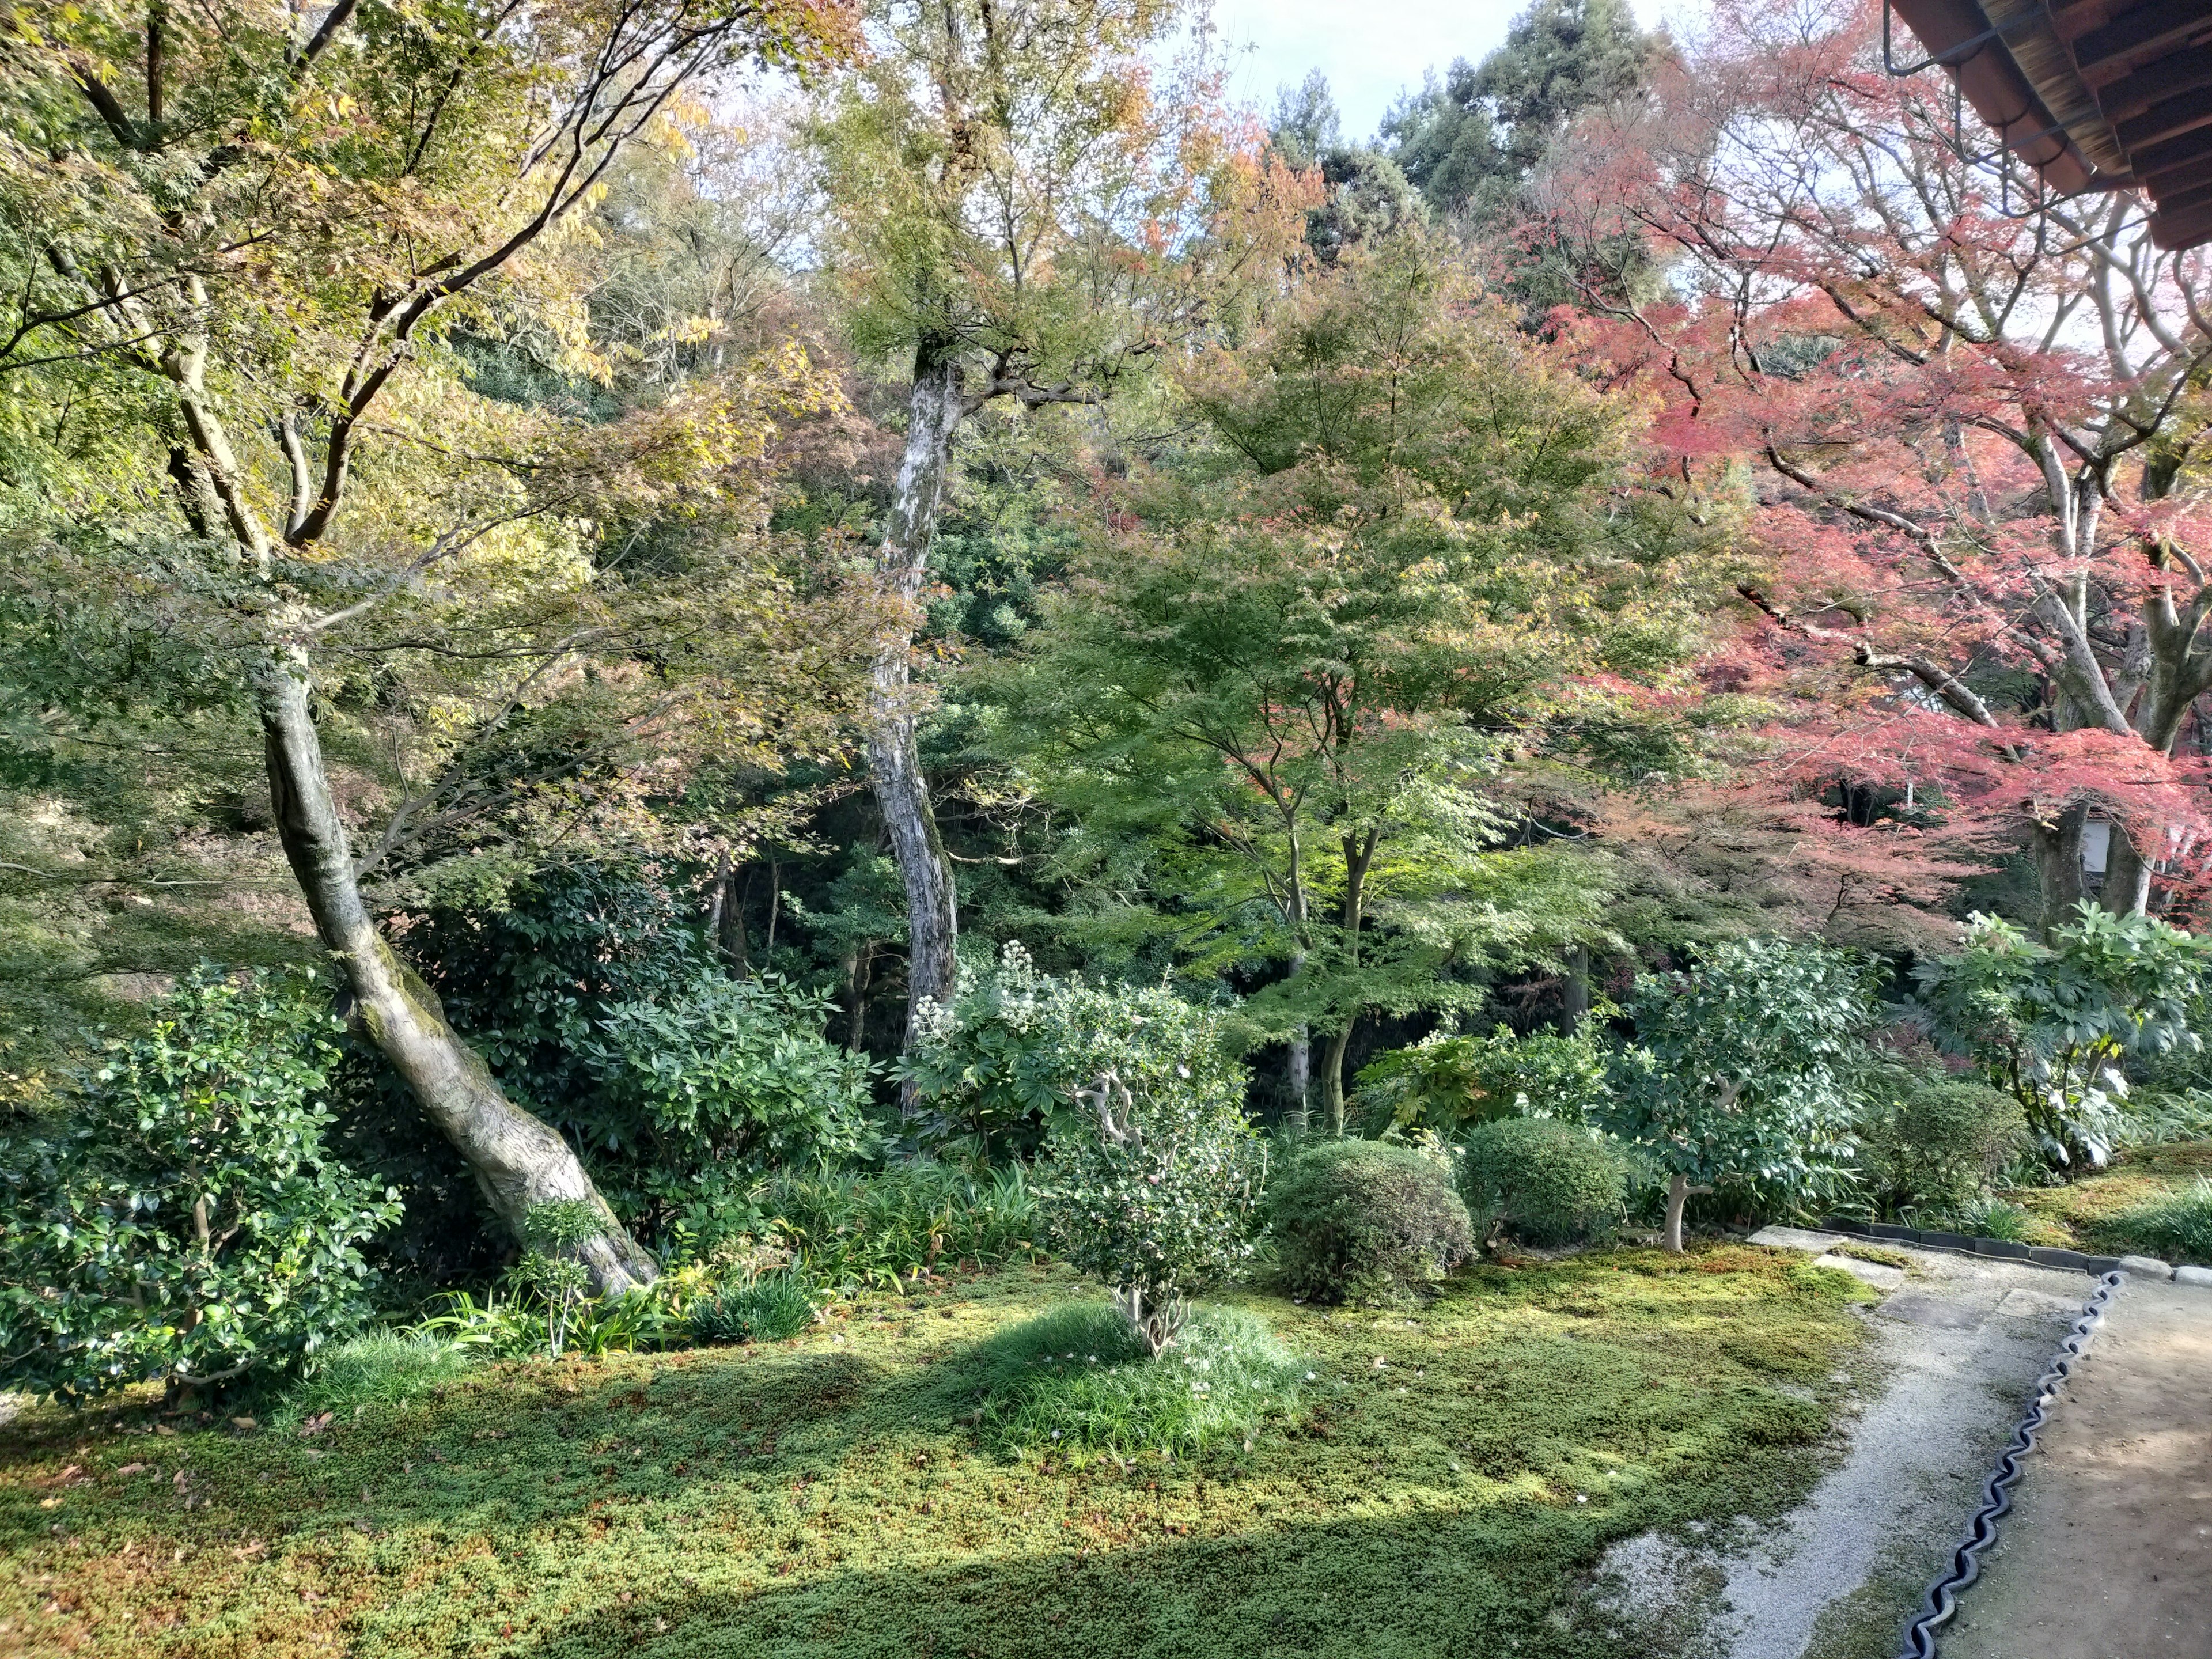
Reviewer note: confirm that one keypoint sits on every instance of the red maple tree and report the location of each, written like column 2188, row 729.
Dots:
column 1965, row 422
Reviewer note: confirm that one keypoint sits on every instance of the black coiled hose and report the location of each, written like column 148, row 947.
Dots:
column 1965, row 1566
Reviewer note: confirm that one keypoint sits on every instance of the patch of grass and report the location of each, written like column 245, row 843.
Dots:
column 819, row 1498
column 2105, row 1212
column 1999, row 1218
column 1079, row 1378
column 769, row 1309
column 2176, row 1227
column 377, row 1367
column 1879, row 1254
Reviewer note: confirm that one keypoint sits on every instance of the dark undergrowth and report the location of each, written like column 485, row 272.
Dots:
column 1444, row 1488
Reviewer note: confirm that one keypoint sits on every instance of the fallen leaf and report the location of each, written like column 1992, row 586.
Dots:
column 314, row 1426
column 245, row 1423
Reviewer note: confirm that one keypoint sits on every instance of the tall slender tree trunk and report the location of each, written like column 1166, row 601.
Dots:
column 518, row 1160
column 1574, row 990
column 934, row 409
column 1358, row 856
column 1332, row 1078
column 1301, row 1079
column 2057, row 846
column 1678, row 1194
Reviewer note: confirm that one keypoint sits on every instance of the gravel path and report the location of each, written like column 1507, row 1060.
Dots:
column 1958, row 1344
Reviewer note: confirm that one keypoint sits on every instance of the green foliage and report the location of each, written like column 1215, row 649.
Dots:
column 2053, row 1025
column 1079, row 1379
column 1006, row 1058
column 1543, row 1181
column 875, row 1231
column 1928, row 1139
column 1994, row 1218
column 1366, row 1221
column 380, row 1367
column 722, row 1078
column 2176, row 1228
column 1445, row 1082
column 1742, row 1076
column 1153, row 1194
column 181, row 1219
column 768, row 1310
column 551, row 1232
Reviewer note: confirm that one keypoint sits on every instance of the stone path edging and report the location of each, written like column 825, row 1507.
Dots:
column 2041, row 1255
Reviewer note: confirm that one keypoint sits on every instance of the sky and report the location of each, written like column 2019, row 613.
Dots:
column 1371, row 49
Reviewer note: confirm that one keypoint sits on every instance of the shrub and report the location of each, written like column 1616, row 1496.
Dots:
column 2177, row 1227
column 1445, row 1082
column 1010, row 1052
column 2053, row 1024
column 1081, row 1379
column 715, row 1082
column 1933, row 1142
column 184, row 1223
column 551, row 1233
column 1739, row 1081
column 1542, row 1181
column 767, row 1310
column 1366, row 1221
column 1153, row 1194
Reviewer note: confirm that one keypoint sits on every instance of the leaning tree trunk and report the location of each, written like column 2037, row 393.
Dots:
column 934, row 409
column 1332, row 1078
column 518, row 1160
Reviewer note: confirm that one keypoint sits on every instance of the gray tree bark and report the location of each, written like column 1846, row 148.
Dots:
column 935, row 408
column 518, row 1160
column 2057, row 847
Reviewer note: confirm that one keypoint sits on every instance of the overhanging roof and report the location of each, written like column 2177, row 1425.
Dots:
column 2093, row 94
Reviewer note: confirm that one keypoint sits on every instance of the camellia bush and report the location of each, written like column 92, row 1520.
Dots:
column 994, row 1067
column 1742, row 1075
column 1153, row 1191
column 718, row 1082
column 182, row 1221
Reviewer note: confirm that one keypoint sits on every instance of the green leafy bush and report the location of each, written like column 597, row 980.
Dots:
column 1366, row 1221
column 1542, row 1181
column 1153, row 1194
column 527, row 966
column 1928, row 1141
column 767, row 1310
column 717, row 1080
column 1008, row 1054
column 1740, row 1078
column 1081, row 1379
column 1445, row 1082
column 183, row 1222
column 2177, row 1228
column 2053, row 1024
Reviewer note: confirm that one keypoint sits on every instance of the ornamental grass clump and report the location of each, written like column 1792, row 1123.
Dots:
column 1367, row 1221
column 1154, row 1192
column 768, row 1310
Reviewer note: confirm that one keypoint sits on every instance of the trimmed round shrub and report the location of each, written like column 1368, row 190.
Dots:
column 1367, row 1221
column 1935, row 1141
column 1543, row 1181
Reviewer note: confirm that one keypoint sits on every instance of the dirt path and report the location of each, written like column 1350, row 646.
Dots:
column 1958, row 1343
column 2107, row 1554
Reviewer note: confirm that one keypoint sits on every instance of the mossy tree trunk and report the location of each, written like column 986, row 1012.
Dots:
column 518, row 1158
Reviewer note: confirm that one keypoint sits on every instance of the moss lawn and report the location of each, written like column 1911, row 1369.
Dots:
column 2093, row 1213
column 1444, row 1486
